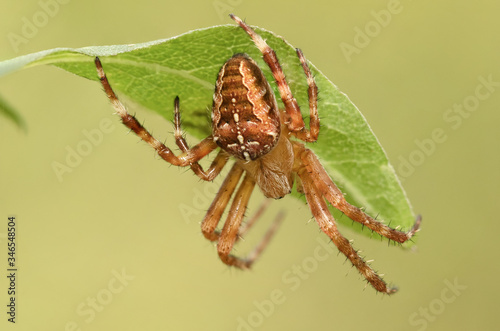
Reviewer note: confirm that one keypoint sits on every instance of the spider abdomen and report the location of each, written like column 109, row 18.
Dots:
column 245, row 115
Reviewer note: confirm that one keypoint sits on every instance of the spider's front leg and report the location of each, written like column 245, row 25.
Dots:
column 233, row 229
column 217, row 164
column 295, row 122
column 214, row 213
column 189, row 157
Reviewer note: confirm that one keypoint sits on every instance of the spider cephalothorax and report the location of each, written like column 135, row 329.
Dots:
column 247, row 125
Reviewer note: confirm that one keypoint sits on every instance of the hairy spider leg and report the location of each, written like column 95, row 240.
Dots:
column 232, row 225
column 331, row 192
column 217, row 164
column 296, row 123
column 255, row 217
column 326, row 222
column 246, row 226
column 312, row 92
column 187, row 158
column 221, row 200
column 233, row 229
column 230, row 231
column 255, row 253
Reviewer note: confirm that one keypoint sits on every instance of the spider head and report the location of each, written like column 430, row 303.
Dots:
column 245, row 115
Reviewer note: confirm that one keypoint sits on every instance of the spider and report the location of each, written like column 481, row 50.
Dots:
column 267, row 144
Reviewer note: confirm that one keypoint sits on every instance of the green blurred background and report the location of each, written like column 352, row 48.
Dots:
column 116, row 244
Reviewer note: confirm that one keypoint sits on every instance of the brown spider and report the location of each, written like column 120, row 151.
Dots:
column 248, row 125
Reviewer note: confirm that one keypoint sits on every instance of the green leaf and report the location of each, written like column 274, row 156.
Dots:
column 153, row 73
column 12, row 114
